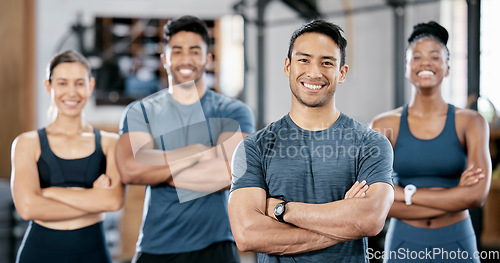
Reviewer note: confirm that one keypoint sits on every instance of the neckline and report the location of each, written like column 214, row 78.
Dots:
column 195, row 104
column 334, row 125
column 73, row 159
column 448, row 115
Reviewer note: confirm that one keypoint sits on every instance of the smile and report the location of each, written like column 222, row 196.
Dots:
column 312, row 86
column 425, row 73
column 71, row 103
column 185, row 71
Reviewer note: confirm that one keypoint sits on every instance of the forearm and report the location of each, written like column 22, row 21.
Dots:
column 340, row 222
column 266, row 235
column 450, row 200
column 347, row 219
column 158, row 170
column 411, row 212
column 38, row 207
column 208, row 176
column 146, row 166
column 253, row 230
column 93, row 200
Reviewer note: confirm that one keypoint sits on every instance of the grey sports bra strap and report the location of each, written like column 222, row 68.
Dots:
column 56, row 175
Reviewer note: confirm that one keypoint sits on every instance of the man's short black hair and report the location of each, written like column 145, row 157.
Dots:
column 189, row 24
column 322, row 27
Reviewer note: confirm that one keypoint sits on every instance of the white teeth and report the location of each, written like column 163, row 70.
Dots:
column 425, row 73
column 310, row 86
column 70, row 103
column 185, row 71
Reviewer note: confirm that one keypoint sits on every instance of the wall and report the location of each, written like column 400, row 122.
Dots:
column 55, row 17
column 16, row 75
column 367, row 91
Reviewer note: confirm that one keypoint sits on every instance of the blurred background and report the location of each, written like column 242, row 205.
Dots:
column 123, row 41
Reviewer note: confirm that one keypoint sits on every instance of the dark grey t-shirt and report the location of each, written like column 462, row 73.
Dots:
column 313, row 167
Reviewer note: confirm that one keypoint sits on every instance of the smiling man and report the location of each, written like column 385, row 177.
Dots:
column 313, row 185
column 179, row 143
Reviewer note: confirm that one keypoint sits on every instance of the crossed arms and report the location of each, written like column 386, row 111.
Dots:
column 474, row 184
column 311, row 226
column 59, row 203
column 196, row 167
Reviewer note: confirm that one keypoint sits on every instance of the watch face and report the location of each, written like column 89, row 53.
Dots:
column 278, row 210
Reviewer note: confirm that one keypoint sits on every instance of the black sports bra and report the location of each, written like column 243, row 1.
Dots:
column 81, row 172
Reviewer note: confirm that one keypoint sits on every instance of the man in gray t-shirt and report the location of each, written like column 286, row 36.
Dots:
column 179, row 143
column 313, row 185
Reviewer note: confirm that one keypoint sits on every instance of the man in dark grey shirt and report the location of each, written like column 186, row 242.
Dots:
column 313, row 185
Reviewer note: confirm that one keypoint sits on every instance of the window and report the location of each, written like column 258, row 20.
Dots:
column 490, row 54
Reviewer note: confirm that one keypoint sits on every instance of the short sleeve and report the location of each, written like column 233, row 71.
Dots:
column 242, row 114
column 134, row 119
column 375, row 159
column 246, row 166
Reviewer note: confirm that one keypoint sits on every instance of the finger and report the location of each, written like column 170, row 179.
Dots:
column 99, row 184
column 355, row 188
column 358, row 186
column 349, row 194
column 473, row 171
column 103, row 181
column 472, row 180
column 474, row 174
column 362, row 191
column 98, row 180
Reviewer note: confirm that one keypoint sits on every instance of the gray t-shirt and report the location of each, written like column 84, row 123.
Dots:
column 178, row 220
column 313, row 167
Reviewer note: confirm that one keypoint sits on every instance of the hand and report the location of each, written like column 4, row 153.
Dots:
column 357, row 190
column 104, row 182
column 270, row 204
column 399, row 193
column 471, row 176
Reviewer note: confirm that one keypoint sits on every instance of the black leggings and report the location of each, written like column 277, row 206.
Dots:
column 83, row 245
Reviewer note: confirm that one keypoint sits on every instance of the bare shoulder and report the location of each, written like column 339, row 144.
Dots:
column 467, row 118
column 28, row 138
column 109, row 140
column 26, row 143
column 388, row 119
column 105, row 135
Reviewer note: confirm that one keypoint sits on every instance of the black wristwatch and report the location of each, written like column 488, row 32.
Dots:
column 279, row 211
